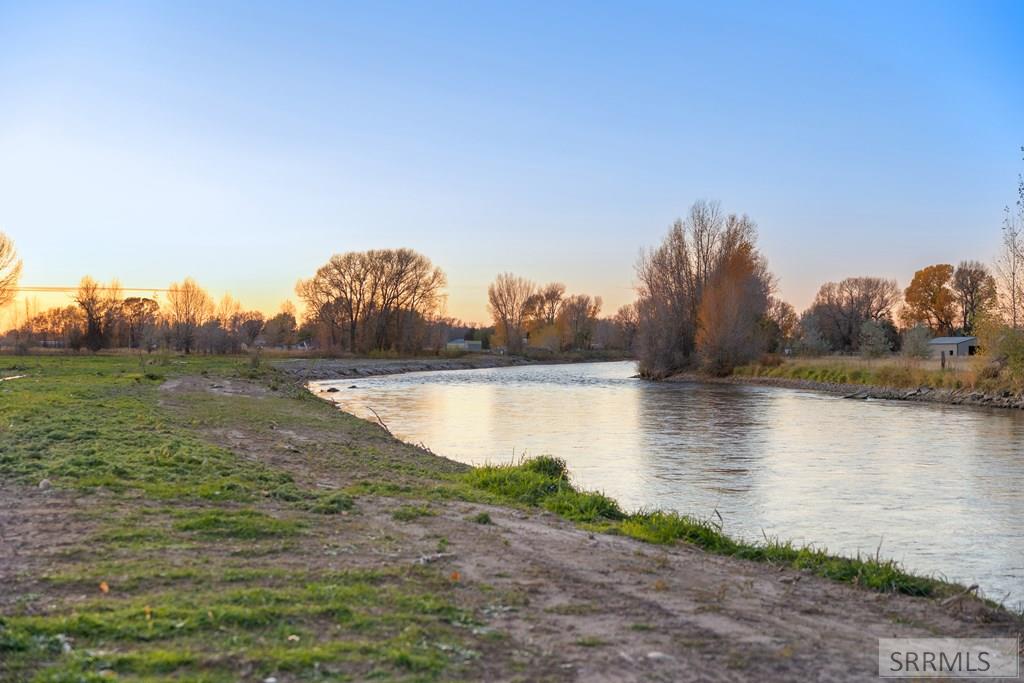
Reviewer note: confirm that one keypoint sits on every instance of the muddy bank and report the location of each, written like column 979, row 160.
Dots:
column 313, row 369
column 969, row 397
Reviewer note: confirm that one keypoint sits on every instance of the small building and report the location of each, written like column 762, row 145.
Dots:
column 464, row 345
column 953, row 346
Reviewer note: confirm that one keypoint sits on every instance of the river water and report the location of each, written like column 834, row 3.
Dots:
column 939, row 488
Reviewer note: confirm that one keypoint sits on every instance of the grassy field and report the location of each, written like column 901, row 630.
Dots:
column 203, row 519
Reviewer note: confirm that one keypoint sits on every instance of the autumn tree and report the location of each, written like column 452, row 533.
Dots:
column 732, row 309
column 188, row 308
column 672, row 279
column 974, row 291
column 546, row 302
column 10, row 270
column 930, row 300
column 781, row 324
column 840, row 309
column 578, row 314
column 509, row 299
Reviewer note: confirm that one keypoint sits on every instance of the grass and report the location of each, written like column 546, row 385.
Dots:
column 895, row 372
column 216, row 562
column 193, row 543
column 544, row 482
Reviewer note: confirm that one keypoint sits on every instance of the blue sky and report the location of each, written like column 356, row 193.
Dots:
column 243, row 143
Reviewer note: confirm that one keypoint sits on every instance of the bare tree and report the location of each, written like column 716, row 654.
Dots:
column 579, row 313
column 377, row 299
column 101, row 305
column 10, row 270
column 188, row 308
column 841, row 309
column 509, row 298
column 139, row 314
column 672, row 279
column 1009, row 265
column 626, row 321
column 974, row 290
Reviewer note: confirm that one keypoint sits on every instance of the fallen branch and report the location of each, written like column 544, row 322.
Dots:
column 379, row 421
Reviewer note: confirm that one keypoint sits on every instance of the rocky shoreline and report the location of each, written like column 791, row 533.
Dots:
column 968, row 397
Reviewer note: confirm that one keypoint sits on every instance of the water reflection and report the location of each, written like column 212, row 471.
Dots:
column 937, row 487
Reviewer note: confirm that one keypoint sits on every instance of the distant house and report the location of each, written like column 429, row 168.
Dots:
column 464, row 345
column 953, row 346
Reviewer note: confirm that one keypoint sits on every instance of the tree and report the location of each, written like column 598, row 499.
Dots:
column 929, row 299
column 781, row 325
column 101, row 307
column 139, row 314
column 281, row 329
column 10, row 270
column 509, row 299
column 915, row 342
column 377, row 299
column 672, row 279
column 189, row 307
column 545, row 304
column 974, row 290
column 1010, row 261
column 874, row 341
column 732, row 311
column 578, row 314
column 626, row 321
column 840, row 309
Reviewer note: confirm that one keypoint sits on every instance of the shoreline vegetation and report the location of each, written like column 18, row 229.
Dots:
column 209, row 518
column 897, row 379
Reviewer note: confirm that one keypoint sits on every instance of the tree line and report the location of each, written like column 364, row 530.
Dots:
column 706, row 300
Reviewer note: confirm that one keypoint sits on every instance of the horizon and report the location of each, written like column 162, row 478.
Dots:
column 244, row 148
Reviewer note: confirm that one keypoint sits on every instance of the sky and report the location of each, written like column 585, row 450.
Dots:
column 244, row 143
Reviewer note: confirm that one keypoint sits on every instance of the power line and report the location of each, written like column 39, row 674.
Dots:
column 102, row 289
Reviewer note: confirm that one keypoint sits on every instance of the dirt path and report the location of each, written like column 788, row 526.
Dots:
column 608, row 608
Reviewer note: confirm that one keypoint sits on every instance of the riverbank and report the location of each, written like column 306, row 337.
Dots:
column 316, row 369
column 894, row 380
column 197, row 517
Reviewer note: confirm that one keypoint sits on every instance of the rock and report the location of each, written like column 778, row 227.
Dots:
column 331, row 390
column 45, row 484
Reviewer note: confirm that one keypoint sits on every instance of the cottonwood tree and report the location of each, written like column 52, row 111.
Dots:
column 930, row 300
column 139, row 314
column 974, row 290
column 10, row 270
column 509, row 299
column 840, row 309
column 577, row 314
column 101, row 306
column 377, row 299
column 672, row 279
column 626, row 322
column 732, row 310
column 189, row 307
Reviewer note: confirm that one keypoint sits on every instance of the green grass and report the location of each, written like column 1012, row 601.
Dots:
column 544, row 482
column 196, row 542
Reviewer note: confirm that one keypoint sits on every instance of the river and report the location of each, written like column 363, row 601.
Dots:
column 938, row 488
